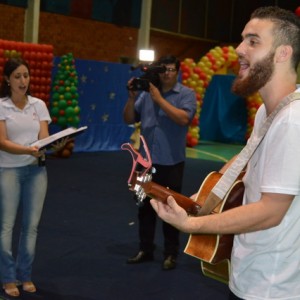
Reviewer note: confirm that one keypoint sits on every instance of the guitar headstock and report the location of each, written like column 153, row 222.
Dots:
column 137, row 185
column 142, row 170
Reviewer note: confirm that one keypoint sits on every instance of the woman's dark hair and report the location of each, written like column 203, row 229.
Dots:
column 169, row 59
column 10, row 66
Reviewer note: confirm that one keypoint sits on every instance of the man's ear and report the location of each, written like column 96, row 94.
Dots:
column 283, row 53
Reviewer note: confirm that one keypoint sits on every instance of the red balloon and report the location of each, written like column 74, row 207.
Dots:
column 225, row 49
column 195, row 121
column 297, row 11
column 202, row 76
column 185, row 75
column 214, row 68
column 194, row 141
column 197, row 70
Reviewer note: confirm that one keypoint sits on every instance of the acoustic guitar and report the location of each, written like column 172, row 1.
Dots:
column 214, row 251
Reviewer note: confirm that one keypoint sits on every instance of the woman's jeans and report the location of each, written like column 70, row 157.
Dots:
column 25, row 187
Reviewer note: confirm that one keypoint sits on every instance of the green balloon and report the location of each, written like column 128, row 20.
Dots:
column 61, row 89
column 74, row 102
column 76, row 121
column 55, row 96
column 55, row 111
column 62, row 104
column 62, row 121
column 69, row 111
column 61, row 76
column 73, row 89
column 68, row 96
column 67, row 82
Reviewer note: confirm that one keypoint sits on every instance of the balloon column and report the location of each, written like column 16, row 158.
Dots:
column 253, row 103
column 40, row 60
column 197, row 76
column 64, row 106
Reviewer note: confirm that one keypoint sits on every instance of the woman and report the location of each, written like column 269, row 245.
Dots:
column 23, row 182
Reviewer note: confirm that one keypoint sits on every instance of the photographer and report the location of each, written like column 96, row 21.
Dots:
column 165, row 111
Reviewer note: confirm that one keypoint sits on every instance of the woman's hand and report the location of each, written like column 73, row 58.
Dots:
column 34, row 151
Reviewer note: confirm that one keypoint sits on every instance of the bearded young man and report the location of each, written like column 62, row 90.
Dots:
column 265, row 260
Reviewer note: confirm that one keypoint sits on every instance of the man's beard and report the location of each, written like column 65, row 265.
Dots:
column 258, row 76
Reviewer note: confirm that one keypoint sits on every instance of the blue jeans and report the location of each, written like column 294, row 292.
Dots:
column 25, row 187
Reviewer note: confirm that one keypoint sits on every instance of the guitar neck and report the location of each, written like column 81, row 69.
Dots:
column 160, row 193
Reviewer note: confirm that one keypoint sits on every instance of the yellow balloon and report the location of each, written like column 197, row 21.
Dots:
column 195, row 76
column 193, row 83
column 222, row 60
column 200, row 82
column 232, row 56
column 204, row 59
column 231, row 49
column 219, row 49
column 188, row 61
column 206, row 70
column 217, row 55
column 218, row 63
column 189, row 80
column 199, row 89
column 208, row 64
column 201, row 64
column 210, row 72
column 213, row 51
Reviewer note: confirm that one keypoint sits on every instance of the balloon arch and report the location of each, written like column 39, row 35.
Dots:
column 219, row 60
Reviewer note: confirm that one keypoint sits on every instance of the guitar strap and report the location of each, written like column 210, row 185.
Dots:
column 218, row 193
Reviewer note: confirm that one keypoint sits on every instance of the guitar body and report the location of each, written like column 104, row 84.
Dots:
column 214, row 251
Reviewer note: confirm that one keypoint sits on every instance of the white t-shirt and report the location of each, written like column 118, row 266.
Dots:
column 266, row 263
column 22, row 127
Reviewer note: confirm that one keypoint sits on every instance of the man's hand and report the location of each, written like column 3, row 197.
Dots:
column 171, row 213
column 132, row 94
column 155, row 93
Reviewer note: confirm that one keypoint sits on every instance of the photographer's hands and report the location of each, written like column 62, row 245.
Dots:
column 155, row 93
column 131, row 93
column 128, row 112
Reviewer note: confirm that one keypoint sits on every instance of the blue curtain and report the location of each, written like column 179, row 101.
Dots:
column 224, row 115
column 102, row 96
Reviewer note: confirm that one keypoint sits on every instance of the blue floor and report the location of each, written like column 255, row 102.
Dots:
column 89, row 229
